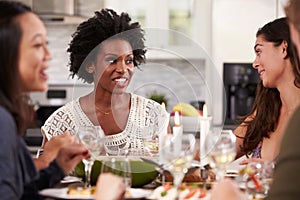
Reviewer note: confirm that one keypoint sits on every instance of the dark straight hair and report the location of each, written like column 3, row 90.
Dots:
column 11, row 97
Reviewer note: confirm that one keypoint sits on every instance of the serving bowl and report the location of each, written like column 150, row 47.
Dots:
column 142, row 173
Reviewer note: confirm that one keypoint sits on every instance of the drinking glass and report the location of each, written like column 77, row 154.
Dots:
column 177, row 154
column 221, row 150
column 259, row 179
column 93, row 139
column 150, row 142
column 119, row 166
column 268, row 169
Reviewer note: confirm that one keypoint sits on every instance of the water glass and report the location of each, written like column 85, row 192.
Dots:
column 119, row 166
column 260, row 177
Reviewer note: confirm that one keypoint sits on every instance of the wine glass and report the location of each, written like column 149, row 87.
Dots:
column 119, row 166
column 93, row 139
column 177, row 154
column 151, row 144
column 221, row 150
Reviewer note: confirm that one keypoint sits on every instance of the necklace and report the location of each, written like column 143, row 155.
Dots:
column 105, row 113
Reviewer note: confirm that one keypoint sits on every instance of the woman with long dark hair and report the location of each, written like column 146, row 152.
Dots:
column 24, row 59
column 278, row 93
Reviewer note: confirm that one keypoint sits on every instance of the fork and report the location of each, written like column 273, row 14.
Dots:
column 204, row 176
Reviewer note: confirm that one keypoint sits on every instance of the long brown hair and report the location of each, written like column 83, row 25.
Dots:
column 267, row 103
column 11, row 97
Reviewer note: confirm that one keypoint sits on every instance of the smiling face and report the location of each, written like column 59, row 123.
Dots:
column 269, row 61
column 34, row 53
column 113, row 68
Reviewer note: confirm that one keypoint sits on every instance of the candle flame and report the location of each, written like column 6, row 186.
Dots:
column 163, row 105
column 176, row 119
column 205, row 111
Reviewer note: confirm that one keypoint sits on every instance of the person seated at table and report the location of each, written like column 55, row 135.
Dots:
column 105, row 50
column 286, row 180
column 277, row 96
column 24, row 58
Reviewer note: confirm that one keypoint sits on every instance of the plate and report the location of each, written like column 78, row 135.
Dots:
column 137, row 193
column 61, row 193
column 70, row 179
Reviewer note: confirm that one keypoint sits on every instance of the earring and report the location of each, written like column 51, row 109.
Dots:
column 90, row 68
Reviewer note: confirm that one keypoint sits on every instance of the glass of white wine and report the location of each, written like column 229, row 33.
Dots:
column 221, row 150
column 93, row 139
column 151, row 143
column 177, row 154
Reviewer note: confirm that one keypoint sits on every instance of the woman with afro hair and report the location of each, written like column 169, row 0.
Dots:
column 105, row 50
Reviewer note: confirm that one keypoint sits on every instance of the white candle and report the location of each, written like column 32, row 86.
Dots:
column 205, row 122
column 163, row 133
column 177, row 131
column 163, row 105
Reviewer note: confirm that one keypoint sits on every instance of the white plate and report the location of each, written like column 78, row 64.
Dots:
column 70, row 179
column 134, row 193
column 61, row 193
column 137, row 193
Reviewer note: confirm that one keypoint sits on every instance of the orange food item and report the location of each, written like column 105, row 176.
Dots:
column 191, row 193
column 256, row 182
column 202, row 194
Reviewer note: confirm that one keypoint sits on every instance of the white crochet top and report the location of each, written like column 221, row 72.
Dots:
column 145, row 116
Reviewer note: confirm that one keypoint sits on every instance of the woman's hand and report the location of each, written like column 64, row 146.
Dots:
column 110, row 187
column 227, row 189
column 69, row 156
column 249, row 160
column 51, row 149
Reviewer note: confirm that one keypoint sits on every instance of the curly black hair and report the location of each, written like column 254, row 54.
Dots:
column 106, row 24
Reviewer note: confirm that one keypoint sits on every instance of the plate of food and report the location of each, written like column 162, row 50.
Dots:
column 69, row 193
column 87, row 194
column 186, row 191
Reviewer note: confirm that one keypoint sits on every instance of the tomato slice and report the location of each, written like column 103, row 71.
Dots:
column 202, row 194
column 190, row 194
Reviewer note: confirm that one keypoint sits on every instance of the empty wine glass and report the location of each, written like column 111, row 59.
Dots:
column 177, row 154
column 221, row 150
column 93, row 139
column 119, row 166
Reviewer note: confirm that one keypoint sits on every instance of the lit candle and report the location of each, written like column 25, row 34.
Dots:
column 177, row 131
column 205, row 121
column 163, row 105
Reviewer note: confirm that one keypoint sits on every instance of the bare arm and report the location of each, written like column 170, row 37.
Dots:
column 240, row 132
